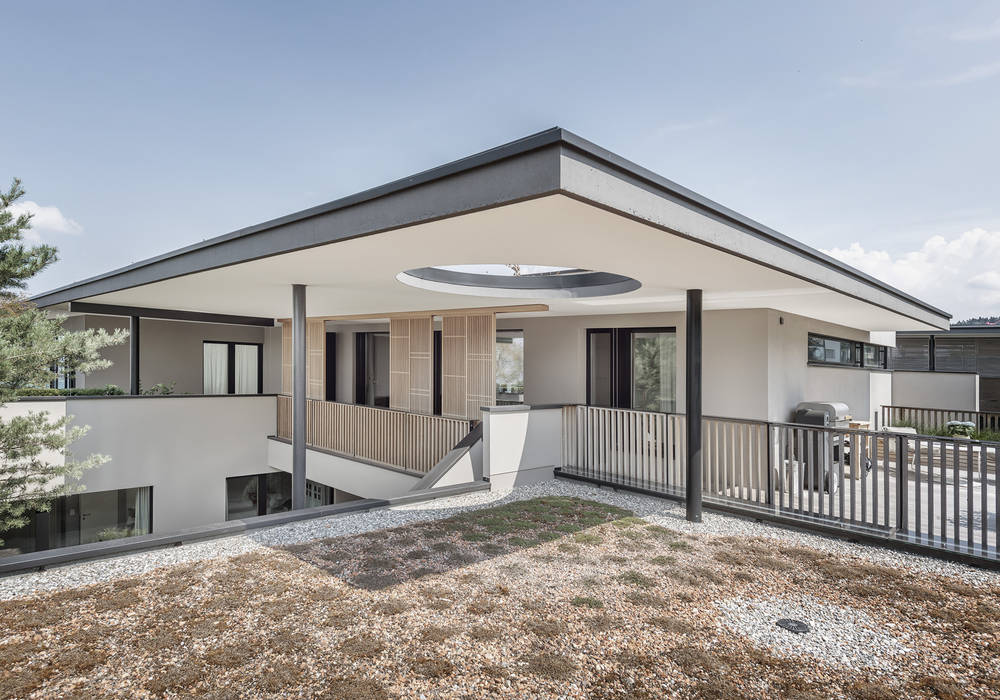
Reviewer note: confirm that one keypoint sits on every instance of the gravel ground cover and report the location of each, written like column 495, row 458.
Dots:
column 552, row 591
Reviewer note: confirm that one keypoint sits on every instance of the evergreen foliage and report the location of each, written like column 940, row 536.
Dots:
column 35, row 462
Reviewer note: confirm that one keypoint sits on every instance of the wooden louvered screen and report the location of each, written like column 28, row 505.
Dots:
column 315, row 358
column 453, row 367
column 399, row 364
column 911, row 354
column 286, row 357
column 468, row 371
column 411, row 364
column 988, row 359
column 955, row 354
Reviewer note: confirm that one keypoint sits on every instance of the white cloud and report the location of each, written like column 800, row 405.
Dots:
column 981, row 33
column 956, row 274
column 876, row 79
column 45, row 220
column 969, row 75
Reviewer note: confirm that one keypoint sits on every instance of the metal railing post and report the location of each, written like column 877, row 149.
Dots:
column 902, row 487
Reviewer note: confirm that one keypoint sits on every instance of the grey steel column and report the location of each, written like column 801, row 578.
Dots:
column 133, row 355
column 692, row 364
column 298, row 396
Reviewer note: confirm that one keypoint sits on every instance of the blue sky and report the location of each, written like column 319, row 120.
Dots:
column 869, row 129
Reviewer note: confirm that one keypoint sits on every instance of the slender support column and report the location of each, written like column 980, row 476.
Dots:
column 133, row 355
column 693, row 401
column 298, row 396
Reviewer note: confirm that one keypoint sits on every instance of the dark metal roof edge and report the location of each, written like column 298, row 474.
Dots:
column 86, row 307
column 623, row 164
column 984, row 331
column 548, row 137
column 520, row 146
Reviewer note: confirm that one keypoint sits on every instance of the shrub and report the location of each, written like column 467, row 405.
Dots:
column 108, row 390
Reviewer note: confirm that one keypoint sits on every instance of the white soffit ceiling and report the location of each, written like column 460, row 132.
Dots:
column 358, row 276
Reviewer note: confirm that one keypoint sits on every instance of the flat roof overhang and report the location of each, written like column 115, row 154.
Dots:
column 549, row 199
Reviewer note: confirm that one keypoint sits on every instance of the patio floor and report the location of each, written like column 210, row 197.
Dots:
column 560, row 595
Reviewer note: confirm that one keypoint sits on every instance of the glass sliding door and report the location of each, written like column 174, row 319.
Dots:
column 600, row 367
column 233, row 368
column 653, row 357
column 216, row 368
column 632, row 368
column 246, row 369
column 83, row 518
column 510, row 367
column 371, row 369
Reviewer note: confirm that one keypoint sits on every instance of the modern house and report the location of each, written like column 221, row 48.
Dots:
column 965, row 361
column 436, row 329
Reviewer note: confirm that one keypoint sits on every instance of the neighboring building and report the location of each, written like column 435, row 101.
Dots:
column 973, row 351
column 401, row 308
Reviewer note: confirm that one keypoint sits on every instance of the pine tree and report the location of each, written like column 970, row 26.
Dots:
column 31, row 343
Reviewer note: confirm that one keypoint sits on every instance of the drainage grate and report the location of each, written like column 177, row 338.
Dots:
column 796, row 626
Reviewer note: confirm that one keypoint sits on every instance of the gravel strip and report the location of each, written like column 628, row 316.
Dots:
column 660, row 511
column 837, row 634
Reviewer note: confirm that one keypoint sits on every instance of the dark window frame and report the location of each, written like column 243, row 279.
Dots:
column 857, row 353
column 263, row 492
column 231, row 364
column 621, row 369
column 361, row 340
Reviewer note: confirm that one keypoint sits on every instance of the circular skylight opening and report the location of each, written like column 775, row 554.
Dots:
column 518, row 281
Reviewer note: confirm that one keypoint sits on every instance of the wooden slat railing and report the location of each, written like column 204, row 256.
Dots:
column 410, row 441
column 938, row 418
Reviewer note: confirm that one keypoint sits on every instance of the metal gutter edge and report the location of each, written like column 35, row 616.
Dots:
column 98, row 550
column 520, row 146
column 617, row 162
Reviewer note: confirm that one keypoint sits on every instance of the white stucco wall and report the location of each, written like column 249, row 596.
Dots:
column 955, row 390
column 54, row 410
column 183, row 447
column 359, row 478
column 521, row 445
column 791, row 379
column 754, row 361
column 881, row 393
column 734, row 355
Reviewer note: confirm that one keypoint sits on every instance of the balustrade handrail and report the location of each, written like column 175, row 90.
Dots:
column 411, row 441
column 937, row 418
column 931, row 491
column 789, row 424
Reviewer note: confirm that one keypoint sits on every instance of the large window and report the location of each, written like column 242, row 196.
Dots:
column 63, row 378
column 825, row 350
column 632, row 368
column 233, row 368
column 510, row 367
column 261, row 494
column 91, row 516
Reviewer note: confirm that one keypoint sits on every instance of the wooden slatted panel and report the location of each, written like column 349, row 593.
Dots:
column 421, row 365
column 480, row 348
column 315, row 359
column 453, row 366
column 399, row 364
column 286, row 358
